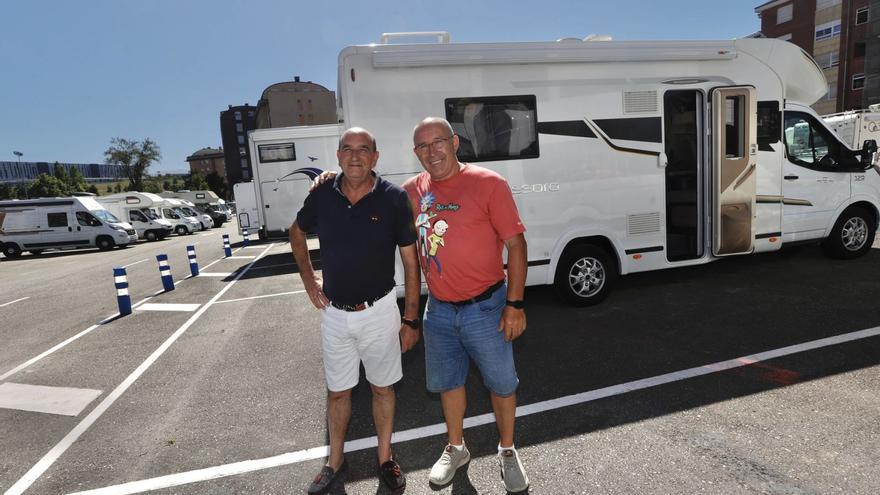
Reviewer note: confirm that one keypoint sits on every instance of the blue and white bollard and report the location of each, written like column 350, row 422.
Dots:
column 227, row 250
column 165, row 271
column 193, row 262
column 244, row 234
column 122, row 296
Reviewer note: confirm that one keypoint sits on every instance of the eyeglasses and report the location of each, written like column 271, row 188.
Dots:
column 436, row 144
column 359, row 151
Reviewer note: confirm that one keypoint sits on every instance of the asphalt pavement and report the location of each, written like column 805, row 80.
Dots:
column 747, row 375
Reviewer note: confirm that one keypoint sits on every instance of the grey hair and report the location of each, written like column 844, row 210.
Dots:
column 356, row 130
column 431, row 121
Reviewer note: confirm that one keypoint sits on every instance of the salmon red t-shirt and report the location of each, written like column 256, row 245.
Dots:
column 462, row 223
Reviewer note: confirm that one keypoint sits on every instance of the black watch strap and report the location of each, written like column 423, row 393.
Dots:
column 518, row 304
column 414, row 323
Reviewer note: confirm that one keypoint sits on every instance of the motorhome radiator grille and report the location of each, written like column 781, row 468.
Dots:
column 640, row 102
column 643, row 223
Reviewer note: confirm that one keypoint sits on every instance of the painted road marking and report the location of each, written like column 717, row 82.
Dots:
column 240, row 258
column 13, row 302
column 242, row 467
column 260, row 297
column 135, row 263
column 47, row 460
column 214, row 274
column 272, row 266
column 168, row 307
column 65, row 401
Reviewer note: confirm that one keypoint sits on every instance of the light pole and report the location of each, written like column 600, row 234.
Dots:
column 19, row 154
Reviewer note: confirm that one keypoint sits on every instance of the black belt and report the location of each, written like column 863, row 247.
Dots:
column 359, row 306
column 486, row 294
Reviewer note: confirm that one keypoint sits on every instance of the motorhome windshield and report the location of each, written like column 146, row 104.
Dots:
column 105, row 216
column 149, row 213
column 182, row 213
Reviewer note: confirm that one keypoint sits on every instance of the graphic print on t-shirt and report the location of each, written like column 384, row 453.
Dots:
column 430, row 243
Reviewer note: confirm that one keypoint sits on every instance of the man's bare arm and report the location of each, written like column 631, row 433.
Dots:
column 513, row 321
column 412, row 285
column 313, row 284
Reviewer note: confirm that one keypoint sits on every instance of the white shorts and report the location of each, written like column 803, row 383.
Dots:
column 370, row 336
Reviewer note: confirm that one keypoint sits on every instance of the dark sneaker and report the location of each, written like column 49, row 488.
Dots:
column 325, row 479
column 392, row 476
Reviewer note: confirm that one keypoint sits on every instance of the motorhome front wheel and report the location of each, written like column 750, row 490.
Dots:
column 852, row 235
column 585, row 275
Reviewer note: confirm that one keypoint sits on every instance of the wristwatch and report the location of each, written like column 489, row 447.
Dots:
column 414, row 323
column 519, row 304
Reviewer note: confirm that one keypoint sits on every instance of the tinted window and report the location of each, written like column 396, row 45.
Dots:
column 768, row 123
column 810, row 144
column 494, row 127
column 87, row 220
column 57, row 219
column 137, row 216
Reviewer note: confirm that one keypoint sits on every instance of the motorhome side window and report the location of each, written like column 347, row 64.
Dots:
column 769, row 125
column 282, row 152
column 494, row 127
column 87, row 220
column 808, row 143
column 56, row 219
column 735, row 142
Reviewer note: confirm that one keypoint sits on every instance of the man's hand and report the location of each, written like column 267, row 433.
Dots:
column 513, row 323
column 315, row 290
column 324, row 177
column 409, row 336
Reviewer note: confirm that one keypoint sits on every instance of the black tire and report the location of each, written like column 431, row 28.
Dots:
column 151, row 236
column 852, row 235
column 181, row 230
column 585, row 275
column 104, row 243
column 36, row 252
column 11, row 250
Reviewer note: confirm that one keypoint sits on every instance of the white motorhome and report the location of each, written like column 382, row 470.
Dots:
column 856, row 126
column 628, row 156
column 194, row 211
column 35, row 225
column 246, row 207
column 207, row 200
column 183, row 223
column 134, row 207
column 285, row 160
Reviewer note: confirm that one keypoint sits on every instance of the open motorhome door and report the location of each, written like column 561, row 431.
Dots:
column 734, row 161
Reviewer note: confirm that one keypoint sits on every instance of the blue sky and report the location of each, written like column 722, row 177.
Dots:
column 74, row 74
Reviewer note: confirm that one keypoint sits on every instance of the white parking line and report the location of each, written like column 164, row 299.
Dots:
column 13, row 302
column 135, row 263
column 260, row 297
column 240, row 258
column 214, row 274
column 242, row 467
column 47, row 460
column 169, row 307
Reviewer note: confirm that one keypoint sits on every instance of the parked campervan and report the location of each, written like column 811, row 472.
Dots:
column 35, row 225
column 169, row 209
column 855, row 126
column 213, row 205
column 628, row 156
column 193, row 211
column 285, row 160
column 246, row 207
column 134, row 207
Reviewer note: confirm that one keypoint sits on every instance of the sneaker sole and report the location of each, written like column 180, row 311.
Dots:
column 446, row 481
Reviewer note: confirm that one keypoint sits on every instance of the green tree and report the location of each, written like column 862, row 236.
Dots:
column 195, row 182
column 134, row 156
column 152, row 187
column 60, row 172
column 175, row 185
column 93, row 189
column 77, row 182
column 8, row 191
column 46, row 186
column 216, row 184
column 166, row 185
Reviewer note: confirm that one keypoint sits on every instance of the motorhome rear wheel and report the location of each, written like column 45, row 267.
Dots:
column 181, row 230
column 585, row 275
column 11, row 250
column 150, row 235
column 852, row 235
column 104, row 243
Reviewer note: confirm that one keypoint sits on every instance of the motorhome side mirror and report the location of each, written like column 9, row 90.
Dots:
column 869, row 148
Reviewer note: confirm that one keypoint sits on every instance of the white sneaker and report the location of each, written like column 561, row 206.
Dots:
column 444, row 469
column 512, row 471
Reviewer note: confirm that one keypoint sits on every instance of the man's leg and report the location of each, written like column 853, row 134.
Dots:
column 505, row 417
column 338, row 416
column 383, row 417
column 454, row 404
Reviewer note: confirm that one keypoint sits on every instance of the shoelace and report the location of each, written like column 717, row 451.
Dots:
column 508, row 460
column 446, row 458
column 396, row 471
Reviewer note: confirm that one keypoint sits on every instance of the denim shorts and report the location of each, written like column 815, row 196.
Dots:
column 455, row 334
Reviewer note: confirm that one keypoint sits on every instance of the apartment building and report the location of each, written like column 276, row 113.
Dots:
column 834, row 32
column 235, row 122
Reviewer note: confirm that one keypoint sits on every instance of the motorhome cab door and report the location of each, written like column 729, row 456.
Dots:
column 734, row 150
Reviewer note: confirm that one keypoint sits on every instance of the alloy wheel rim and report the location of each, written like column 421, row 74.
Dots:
column 854, row 234
column 586, row 277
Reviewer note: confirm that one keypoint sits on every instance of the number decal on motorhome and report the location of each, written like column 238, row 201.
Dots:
column 535, row 188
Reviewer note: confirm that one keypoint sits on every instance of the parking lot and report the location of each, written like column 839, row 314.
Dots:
column 756, row 374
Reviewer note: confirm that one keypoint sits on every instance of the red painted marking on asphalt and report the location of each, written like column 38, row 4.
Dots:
column 768, row 373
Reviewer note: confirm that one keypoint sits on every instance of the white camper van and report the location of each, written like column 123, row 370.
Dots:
column 183, row 224
column 855, row 126
column 246, row 207
column 285, row 160
column 134, row 207
column 60, row 223
column 206, row 200
column 193, row 211
column 628, row 156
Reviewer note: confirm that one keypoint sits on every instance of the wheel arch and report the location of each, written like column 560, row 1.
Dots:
column 601, row 240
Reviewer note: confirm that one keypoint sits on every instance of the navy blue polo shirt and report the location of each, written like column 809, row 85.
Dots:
column 358, row 241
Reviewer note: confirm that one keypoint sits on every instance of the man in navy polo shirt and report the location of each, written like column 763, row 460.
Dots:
column 360, row 219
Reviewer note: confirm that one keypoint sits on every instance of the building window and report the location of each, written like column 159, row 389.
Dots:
column 862, row 15
column 858, row 81
column 238, row 116
column 244, row 163
column 828, row 60
column 859, row 49
column 245, row 174
column 240, row 139
column 828, row 30
column 784, row 13
column 785, row 37
column 824, row 4
column 250, row 114
column 831, row 94
column 239, row 128
column 494, row 127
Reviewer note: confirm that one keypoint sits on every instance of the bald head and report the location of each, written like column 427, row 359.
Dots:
column 354, row 131
column 431, row 121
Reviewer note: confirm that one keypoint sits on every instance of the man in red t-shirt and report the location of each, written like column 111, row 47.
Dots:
column 465, row 216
